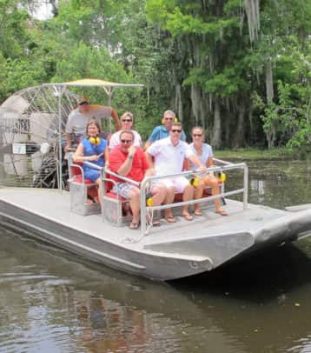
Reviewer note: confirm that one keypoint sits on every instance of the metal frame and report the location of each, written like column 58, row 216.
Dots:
column 109, row 203
column 60, row 88
column 226, row 166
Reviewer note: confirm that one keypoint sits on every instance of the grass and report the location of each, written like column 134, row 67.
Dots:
column 253, row 153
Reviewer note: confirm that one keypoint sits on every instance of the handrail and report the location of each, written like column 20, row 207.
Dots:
column 148, row 180
column 131, row 181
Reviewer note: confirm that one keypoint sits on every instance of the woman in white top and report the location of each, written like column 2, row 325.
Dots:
column 127, row 120
column 205, row 154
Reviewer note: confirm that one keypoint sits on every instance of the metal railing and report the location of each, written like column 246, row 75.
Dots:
column 145, row 185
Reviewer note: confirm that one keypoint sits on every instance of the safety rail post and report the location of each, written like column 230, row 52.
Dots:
column 245, row 186
column 143, row 205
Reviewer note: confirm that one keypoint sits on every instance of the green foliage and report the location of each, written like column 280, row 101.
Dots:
column 13, row 32
column 187, row 53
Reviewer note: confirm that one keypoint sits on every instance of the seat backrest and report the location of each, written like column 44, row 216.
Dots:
column 76, row 174
column 75, row 169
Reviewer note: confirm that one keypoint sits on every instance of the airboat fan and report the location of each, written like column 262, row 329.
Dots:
column 32, row 123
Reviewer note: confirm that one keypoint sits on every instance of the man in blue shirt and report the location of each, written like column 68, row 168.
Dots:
column 162, row 131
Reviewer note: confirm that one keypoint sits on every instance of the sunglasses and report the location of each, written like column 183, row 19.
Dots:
column 127, row 120
column 176, row 130
column 168, row 118
column 84, row 103
column 196, row 135
column 126, row 141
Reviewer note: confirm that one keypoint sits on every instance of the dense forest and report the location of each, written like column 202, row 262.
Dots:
column 241, row 69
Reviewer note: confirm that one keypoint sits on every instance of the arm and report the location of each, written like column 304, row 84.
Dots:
column 147, row 145
column 154, row 136
column 68, row 131
column 115, row 117
column 107, row 157
column 149, row 160
column 68, row 142
column 209, row 162
column 195, row 160
column 79, row 155
column 127, row 164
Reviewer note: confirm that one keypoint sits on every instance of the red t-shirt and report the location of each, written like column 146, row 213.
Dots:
column 139, row 165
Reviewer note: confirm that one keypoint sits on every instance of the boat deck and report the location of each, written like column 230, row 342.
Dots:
column 55, row 206
column 167, row 252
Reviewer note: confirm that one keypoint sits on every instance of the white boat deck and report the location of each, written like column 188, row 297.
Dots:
column 55, row 205
column 170, row 251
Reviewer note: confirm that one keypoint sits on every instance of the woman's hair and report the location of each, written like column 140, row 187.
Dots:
column 93, row 122
column 198, row 128
column 127, row 114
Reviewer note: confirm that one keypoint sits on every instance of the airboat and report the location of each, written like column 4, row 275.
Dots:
column 44, row 198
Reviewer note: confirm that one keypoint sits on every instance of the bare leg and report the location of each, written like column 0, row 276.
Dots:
column 158, row 194
column 187, row 196
column 198, row 193
column 170, row 195
column 134, row 201
column 99, row 190
column 213, row 183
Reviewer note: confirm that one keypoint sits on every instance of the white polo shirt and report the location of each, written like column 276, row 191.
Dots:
column 169, row 159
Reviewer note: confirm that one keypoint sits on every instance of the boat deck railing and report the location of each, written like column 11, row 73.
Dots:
column 148, row 211
column 222, row 166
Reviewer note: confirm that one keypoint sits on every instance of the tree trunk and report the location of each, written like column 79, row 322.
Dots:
column 269, row 81
column 239, row 136
column 178, row 102
column 216, row 138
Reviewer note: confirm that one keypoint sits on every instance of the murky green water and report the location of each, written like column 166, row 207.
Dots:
column 51, row 302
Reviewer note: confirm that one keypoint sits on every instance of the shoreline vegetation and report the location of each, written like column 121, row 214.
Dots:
column 259, row 154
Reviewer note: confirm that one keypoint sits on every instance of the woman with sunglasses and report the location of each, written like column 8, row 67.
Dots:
column 205, row 154
column 127, row 121
column 92, row 149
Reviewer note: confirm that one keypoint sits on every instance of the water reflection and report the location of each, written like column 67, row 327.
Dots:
column 59, row 305
column 280, row 184
column 51, row 301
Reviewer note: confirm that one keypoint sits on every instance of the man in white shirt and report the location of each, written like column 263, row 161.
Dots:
column 167, row 157
column 79, row 117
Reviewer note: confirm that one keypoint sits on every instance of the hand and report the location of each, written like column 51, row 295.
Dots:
column 202, row 168
column 132, row 151
column 94, row 157
column 150, row 172
column 68, row 148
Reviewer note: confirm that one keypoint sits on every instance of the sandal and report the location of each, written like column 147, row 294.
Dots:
column 187, row 216
column 198, row 213
column 222, row 212
column 134, row 225
column 170, row 219
column 154, row 222
column 89, row 202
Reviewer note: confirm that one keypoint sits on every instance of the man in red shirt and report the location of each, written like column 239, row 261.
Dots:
column 130, row 161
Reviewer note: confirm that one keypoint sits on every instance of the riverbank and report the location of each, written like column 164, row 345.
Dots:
column 252, row 153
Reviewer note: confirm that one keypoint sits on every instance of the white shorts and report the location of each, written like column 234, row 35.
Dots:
column 178, row 183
